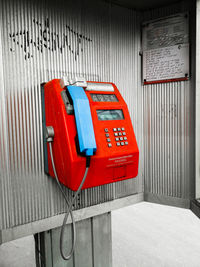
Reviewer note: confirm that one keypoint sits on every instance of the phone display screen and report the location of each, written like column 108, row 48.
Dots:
column 104, row 98
column 110, row 114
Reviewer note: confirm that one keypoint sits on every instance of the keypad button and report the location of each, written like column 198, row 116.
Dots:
column 115, row 134
column 114, row 129
column 122, row 143
column 123, row 129
column 121, row 138
column 106, row 130
column 109, row 145
column 120, row 134
column 126, row 143
column 108, row 140
column 116, row 138
column 125, row 138
column 118, row 144
column 107, row 135
column 118, row 129
column 124, row 133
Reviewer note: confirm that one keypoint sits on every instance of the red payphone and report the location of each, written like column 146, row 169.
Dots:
column 91, row 139
column 116, row 154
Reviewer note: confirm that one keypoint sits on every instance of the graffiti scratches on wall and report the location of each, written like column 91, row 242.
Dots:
column 44, row 37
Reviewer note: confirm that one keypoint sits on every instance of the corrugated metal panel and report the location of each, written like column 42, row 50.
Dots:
column 41, row 41
column 5, row 196
column 169, row 126
column 91, row 234
column 169, row 159
column 125, row 70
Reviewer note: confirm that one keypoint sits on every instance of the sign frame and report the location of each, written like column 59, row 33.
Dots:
column 166, row 49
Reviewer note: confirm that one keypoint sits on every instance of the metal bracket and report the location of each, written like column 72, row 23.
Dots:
column 49, row 134
column 78, row 81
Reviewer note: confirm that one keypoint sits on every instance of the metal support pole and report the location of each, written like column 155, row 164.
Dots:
column 197, row 96
column 93, row 245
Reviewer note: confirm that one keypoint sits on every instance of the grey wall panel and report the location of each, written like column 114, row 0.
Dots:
column 5, row 182
column 41, row 41
column 102, row 234
column 169, row 159
column 125, row 69
column 169, row 125
column 93, row 245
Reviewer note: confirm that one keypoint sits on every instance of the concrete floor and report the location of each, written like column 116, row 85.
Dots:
column 144, row 235
column 151, row 235
column 18, row 253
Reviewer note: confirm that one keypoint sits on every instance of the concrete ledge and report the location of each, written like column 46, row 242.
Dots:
column 167, row 200
column 56, row 221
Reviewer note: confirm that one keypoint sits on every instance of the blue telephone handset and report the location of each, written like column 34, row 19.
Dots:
column 83, row 119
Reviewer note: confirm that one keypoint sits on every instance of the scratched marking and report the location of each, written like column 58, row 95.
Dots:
column 47, row 39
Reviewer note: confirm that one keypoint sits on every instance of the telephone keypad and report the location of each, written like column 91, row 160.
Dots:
column 122, row 136
column 119, row 136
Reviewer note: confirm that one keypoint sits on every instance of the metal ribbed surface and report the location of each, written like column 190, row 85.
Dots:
column 125, row 70
column 41, row 42
column 169, row 126
column 169, row 159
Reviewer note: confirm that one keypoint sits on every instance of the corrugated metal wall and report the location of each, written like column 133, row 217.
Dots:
column 40, row 41
column 169, row 125
column 44, row 40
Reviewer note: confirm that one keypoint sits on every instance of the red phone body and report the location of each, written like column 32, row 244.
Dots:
column 114, row 160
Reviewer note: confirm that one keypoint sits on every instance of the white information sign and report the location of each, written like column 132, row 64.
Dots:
column 166, row 49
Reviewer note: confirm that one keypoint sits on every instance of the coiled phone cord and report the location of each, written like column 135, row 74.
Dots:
column 69, row 206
